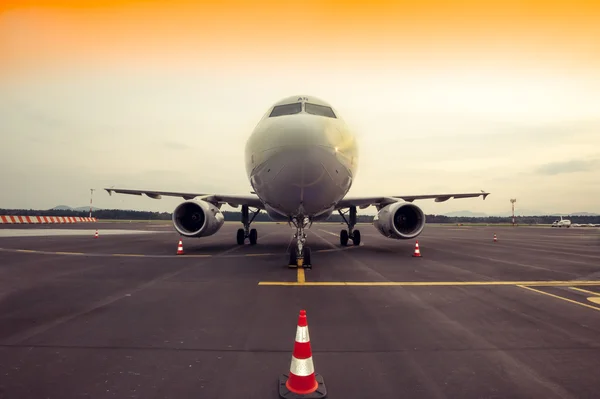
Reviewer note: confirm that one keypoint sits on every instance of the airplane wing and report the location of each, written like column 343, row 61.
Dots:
column 231, row 200
column 365, row 202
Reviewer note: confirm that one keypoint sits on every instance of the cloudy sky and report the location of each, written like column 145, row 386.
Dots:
column 444, row 96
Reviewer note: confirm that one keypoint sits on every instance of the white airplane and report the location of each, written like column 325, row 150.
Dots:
column 301, row 160
column 562, row 222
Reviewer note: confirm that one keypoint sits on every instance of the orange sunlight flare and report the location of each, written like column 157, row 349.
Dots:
column 41, row 33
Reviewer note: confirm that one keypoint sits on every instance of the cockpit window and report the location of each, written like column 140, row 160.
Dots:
column 320, row 110
column 287, row 109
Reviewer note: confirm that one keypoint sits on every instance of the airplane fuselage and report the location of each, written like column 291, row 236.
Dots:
column 301, row 159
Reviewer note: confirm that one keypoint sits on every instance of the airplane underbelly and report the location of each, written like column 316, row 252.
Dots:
column 301, row 181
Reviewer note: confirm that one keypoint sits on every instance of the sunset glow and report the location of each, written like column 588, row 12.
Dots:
column 497, row 92
column 509, row 33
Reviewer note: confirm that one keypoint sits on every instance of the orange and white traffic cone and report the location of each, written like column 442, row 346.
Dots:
column 96, row 235
column 495, row 238
column 417, row 253
column 302, row 381
column 180, row 248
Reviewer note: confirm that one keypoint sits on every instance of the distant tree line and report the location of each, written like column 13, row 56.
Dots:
column 263, row 217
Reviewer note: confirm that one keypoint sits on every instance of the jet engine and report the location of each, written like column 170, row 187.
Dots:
column 197, row 219
column 400, row 220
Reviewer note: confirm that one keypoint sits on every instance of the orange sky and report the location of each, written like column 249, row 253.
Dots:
column 38, row 33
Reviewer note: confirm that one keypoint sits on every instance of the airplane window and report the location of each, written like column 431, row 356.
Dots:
column 287, row 109
column 319, row 110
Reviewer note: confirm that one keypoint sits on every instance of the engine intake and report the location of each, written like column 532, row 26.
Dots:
column 197, row 219
column 400, row 220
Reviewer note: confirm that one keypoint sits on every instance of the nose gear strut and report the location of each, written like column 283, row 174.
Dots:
column 300, row 255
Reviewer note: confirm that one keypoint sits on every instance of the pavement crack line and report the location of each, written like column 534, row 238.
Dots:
column 20, row 337
column 319, row 351
column 354, row 260
column 507, row 262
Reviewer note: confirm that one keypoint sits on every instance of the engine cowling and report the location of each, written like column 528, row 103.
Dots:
column 197, row 219
column 400, row 220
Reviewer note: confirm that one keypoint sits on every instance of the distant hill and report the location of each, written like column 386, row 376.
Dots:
column 61, row 208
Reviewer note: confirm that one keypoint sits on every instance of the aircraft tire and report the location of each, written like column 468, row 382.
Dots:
column 356, row 238
column 253, row 237
column 293, row 258
column 240, row 237
column 307, row 263
column 344, row 238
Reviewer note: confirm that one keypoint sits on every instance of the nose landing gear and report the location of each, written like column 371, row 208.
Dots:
column 300, row 254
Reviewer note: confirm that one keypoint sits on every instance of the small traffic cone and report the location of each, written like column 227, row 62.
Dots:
column 495, row 238
column 96, row 235
column 417, row 253
column 302, row 381
column 180, row 248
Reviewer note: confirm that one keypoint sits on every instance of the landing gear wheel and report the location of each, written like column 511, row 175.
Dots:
column 293, row 259
column 253, row 236
column 356, row 238
column 307, row 263
column 240, row 236
column 344, row 238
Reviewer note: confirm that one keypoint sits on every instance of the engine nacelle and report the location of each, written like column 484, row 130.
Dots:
column 197, row 219
column 400, row 220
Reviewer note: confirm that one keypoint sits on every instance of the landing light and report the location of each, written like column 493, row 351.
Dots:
column 336, row 149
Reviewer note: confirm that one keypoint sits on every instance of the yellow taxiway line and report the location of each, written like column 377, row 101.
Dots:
column 594, row 299
column 553, row 283
column 301, row 277
column 560, row 297
column 586, row 291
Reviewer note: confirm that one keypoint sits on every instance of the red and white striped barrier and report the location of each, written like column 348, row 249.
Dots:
column 43, row 219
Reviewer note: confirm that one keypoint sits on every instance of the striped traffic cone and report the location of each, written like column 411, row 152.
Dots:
column 302, row 381
column 495, row 238
column 96, row 235
column 180, row 248
column 417, row 253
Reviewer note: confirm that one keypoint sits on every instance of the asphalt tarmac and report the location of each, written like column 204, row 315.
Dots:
column 123, row 316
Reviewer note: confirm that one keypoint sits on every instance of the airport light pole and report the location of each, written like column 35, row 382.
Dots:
column 512, row 201
column 91, row 195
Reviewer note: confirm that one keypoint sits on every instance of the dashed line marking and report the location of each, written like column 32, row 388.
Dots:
column 560, row 297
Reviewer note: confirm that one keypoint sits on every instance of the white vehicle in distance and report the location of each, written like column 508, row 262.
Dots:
column 562, row 223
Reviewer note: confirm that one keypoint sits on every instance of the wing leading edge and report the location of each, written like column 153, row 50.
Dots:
column 365, row 202
column 216, row 199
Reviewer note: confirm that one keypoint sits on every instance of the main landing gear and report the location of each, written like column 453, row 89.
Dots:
column 352, row 234
column 300, row 255
column 246, row 232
